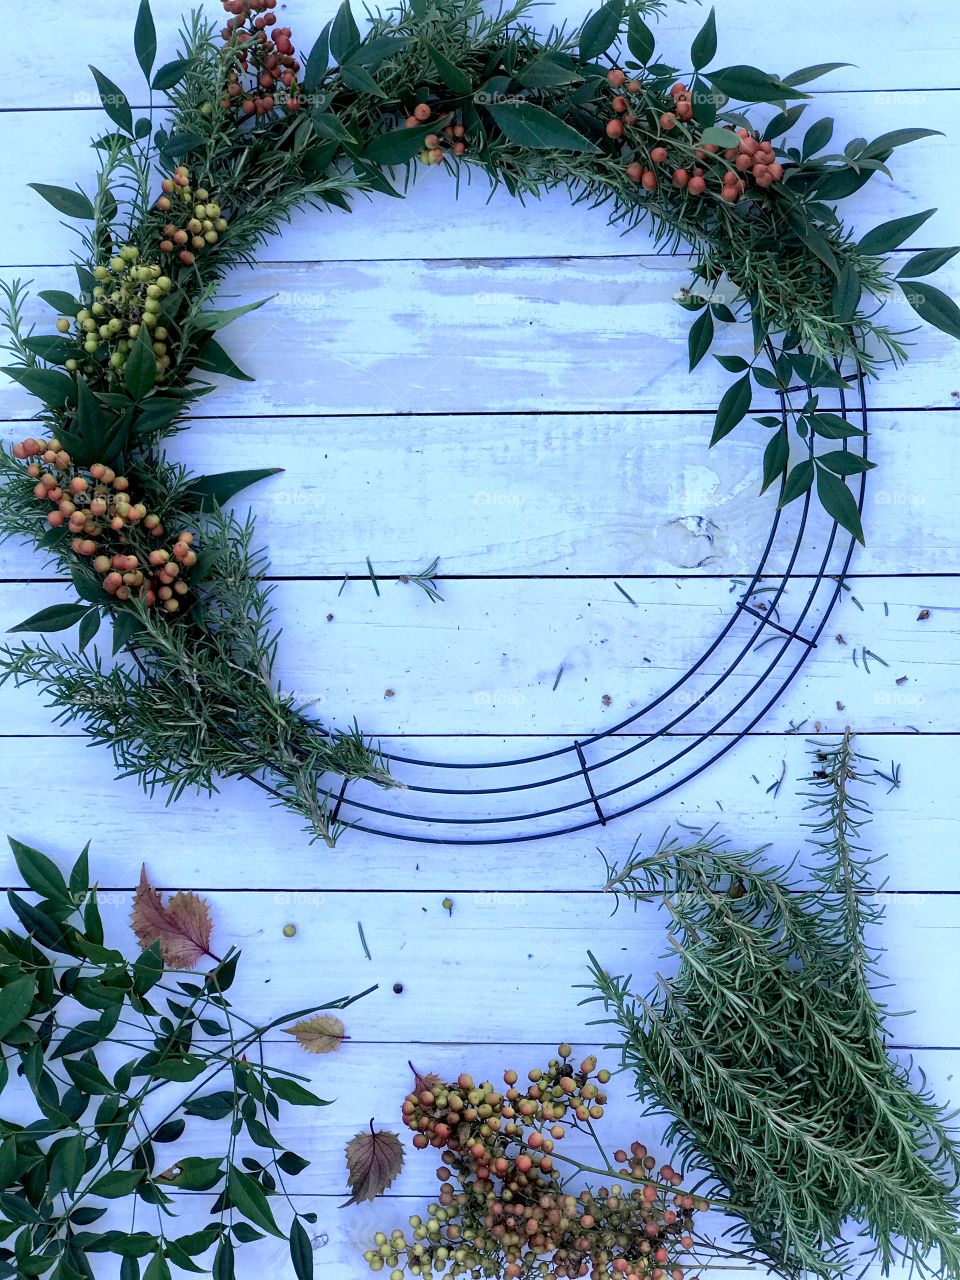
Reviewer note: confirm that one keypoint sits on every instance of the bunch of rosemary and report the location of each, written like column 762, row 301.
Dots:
column 766, row 1048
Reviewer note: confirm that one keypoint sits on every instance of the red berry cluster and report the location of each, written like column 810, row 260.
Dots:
column 452, row 136
column 745, row 159
column 503, row 1208
column 199, row 220
column 263, row 74
column 95, row 506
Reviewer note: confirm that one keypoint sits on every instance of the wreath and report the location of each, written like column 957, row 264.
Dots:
column 252, row 134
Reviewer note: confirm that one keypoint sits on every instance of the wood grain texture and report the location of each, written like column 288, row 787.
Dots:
column 506, row 387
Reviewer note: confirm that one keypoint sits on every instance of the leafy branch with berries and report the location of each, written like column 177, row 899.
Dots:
column 116, row 1059
column 251, row 133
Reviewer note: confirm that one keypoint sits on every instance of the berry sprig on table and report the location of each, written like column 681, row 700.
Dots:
column 94, row 504
column 505, row 1206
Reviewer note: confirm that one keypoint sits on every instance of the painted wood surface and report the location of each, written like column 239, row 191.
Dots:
column 506, row 388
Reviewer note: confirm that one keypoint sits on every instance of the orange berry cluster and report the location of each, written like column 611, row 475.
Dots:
column 199, row 220
column 268, row 59
column 502, row 1207
column 452, row 136
column 747, row 159
column 94, row 504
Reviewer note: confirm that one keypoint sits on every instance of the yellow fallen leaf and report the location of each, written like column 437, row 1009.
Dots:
column 322, row 1034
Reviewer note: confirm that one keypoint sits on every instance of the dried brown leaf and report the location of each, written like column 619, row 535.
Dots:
column 373, row 1161
column 322, row 1034
column 428, row 1083
column 182, row 927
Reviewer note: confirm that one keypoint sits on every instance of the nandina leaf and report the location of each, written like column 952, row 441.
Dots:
column 301, row 1251
column 249, row 1199
column 53, row 388
column 600, row 30
column 318, row 61
column 533, row 126
column 934, row 306
column 733, row 408
column 145, row 39
column 640, row 39
column 839, row 502
column 182, row 927
column 322, row 1034
column 171, row 73
column 699, row 338
column 140, row 371
column 16, row 999
column 114, row 101
column 74, row 204
column 749, row 84
column 56, row 617
column 374, row 1160
column 344, row 33
column 926, row 262
column 890, row 235
column 806, row 74
column 39, row 873
column 456, row 80
column 704, row 46
column 205, row 492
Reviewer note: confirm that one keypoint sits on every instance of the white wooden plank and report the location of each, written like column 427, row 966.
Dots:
column 235, row 839
column 893, row 45
column 557, row 494
column 486, row 660
column 433, row 222
column 505, row 964
column 489, row 336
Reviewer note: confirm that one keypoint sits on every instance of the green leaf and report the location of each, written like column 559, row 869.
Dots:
column 301, row 1251
column 140, row 371
column 733, row 408
column 699, row 338
column 846, row 294
column 68, row 1166
column 129, row 1269
column 116, row 1183
column 171, row 73
column 716, row 137
column 817, row 373
column 934, row 306
column 169, row 1131
column 145, row 39
column 89, row 626
column 291, row 1163
column 39, row 873
column 806, row 74
column 63, row 303
column 357, row 78
column 640, row 39
column 74, row 204
column 291, row 1091
column 843, row 463
column 925, row 263
column 318, row 61
column 600, row 30
column 543, row 73
column 211, row 321
column 80, row 875
column 832, row 427
column 839, row 502
column 896, row 138
column 125, row 626
column 397, row 146
column 775, row 458
column 532, row 126
column 210, row 1106
column 205, row 491
column 248, row 1197
column 53, row 388
column 344, row 33
column 180, row 1070
column 815, row 240
column 890, row 235
column 704, row 47
column 198, row 1173
column 816, row 137
column 56, row 617
column 157, row 1268
column 16, row 999
column 732, row 364
column 114, row 101
column 223, row 1262
column 87, row 1076
column 749, row 84
column 798, row 482
column 456, row 79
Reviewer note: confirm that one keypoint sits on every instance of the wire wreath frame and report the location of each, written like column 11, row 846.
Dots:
column 582, row 794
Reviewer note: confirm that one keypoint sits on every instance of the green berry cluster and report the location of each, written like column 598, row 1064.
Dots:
column 504, row 1209
column 127, row 296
